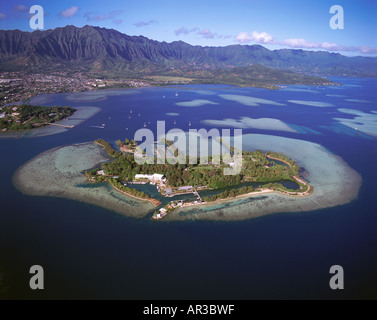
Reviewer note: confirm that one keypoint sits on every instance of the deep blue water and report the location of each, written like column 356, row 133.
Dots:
column 90, row 252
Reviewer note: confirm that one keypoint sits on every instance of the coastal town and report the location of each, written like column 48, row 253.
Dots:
column 20, row 87
column 16, row 87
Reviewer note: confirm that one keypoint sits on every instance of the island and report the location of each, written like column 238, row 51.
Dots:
column 25, row 116
column 262, row 172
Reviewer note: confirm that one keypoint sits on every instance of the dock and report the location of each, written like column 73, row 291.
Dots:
column 60, row 125
column 198, row 195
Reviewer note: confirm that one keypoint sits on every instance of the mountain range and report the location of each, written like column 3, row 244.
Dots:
column 95, row 49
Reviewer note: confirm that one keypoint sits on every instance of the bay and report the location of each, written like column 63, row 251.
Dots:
column 90, row 252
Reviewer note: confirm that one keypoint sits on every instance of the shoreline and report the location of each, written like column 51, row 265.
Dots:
column 58, row 173
column 79, row 116
column 247, row 195
column 179, row 85
column 333, row 183
column 56, row 123
column 156, row 203
column 153, row 201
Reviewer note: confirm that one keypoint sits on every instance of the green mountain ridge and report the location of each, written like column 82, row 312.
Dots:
column 110, row 53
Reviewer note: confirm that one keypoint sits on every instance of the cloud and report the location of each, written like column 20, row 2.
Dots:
column 367, row 50
column 207, row 34
column 20, row 8
column 118, row 21
column 90, row 16
column 67, row 13
column 204, row 33
column 3, row 16
column 144, row 23
column 113, row 14
column 299, row 43
column 184, row 30
column 255, row 36
column 94, row 16
column 302, row 43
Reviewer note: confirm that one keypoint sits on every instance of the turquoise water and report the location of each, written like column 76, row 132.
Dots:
column 89, row 252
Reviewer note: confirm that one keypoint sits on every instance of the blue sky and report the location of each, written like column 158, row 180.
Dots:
column 274, row 24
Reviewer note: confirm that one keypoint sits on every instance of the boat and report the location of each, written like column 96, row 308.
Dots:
column 145, row 124
column 176, row 94
column 175, row 122
column 189, row 124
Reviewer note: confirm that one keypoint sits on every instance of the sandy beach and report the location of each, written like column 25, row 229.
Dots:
column 59, row 172
column 334, row 181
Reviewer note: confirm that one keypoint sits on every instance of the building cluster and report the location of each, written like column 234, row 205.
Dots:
column 15, row 87
column 18, row 86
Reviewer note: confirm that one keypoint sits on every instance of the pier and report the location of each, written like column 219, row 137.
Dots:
column 198, row 195
column 60, row 125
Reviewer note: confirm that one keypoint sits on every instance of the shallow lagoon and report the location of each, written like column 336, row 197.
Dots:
column 286, row 255
column 58, row 172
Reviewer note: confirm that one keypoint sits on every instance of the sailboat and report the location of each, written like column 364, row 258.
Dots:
column 189, row 124
column 145, row 124
column 175, row 122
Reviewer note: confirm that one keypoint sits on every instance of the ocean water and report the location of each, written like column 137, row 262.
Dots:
column 90, row 252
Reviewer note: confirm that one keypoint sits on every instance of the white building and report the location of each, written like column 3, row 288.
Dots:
column 151, row 177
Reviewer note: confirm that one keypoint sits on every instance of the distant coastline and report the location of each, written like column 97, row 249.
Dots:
column 29, row 117
column 80, row 115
